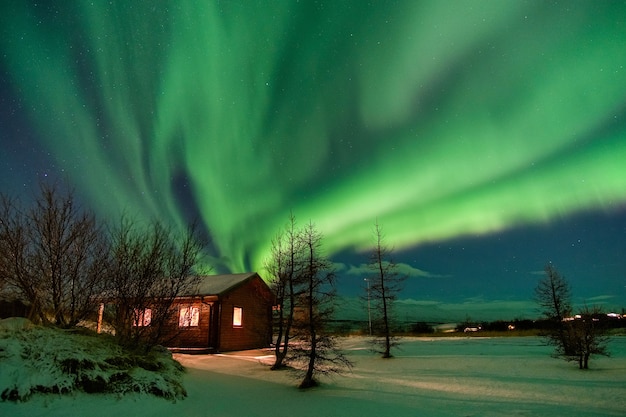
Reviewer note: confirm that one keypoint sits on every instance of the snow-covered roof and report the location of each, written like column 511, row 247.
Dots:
column 219, row 284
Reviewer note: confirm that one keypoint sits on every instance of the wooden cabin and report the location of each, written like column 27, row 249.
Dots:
column 228, row 312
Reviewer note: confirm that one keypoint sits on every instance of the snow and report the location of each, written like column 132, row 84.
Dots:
column 462, row 376
column 37, row 359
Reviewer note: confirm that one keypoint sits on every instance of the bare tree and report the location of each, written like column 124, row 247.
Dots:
column 284, row 268
column 574, row 337
column 15, row 249
column 54, row 256
column 316, row 346
column 587, row 336
column 383, row 286
column 151, row 267
column 553, row 295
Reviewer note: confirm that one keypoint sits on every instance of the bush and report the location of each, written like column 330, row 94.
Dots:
column 37, row 359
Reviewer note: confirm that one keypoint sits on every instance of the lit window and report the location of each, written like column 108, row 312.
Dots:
column 188, row 317
column 237, row 316
column 142, row 317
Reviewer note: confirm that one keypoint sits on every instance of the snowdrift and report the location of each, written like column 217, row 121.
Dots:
column 36, row 359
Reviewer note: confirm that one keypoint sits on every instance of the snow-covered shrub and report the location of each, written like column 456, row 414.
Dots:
column 35, row 359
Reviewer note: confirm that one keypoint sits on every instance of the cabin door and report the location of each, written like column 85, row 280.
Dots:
column 212, row 331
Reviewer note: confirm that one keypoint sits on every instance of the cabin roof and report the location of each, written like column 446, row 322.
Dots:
column 220, row 284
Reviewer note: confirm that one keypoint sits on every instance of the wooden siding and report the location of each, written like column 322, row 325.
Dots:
column 256, row 301
column 193, row 336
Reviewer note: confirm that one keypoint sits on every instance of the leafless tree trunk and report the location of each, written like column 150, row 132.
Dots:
column 316, row 346
column 151, row 267
column 56, row 256
column 283, row 266
column 384, row 285
column 575, row 338
column 587, row 336
column 553, row 295
column 15, row 250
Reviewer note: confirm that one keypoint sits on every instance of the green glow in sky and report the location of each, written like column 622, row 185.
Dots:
column 440, row 120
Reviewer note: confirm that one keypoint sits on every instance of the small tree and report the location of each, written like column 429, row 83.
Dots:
column 54, row 256
column 587, row 336
column 151, row 267
column 553, row 296
column 384, row 285
column 284, row 268
column 15, row 247
column 575, row 338
column 316, row 346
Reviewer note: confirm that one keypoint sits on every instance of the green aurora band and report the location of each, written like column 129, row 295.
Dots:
column 438, row 119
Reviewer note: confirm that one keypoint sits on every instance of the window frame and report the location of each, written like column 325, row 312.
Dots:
column 237, row 323
column 188, row 316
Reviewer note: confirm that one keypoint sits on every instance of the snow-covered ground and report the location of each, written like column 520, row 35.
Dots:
column 428, row 377
column 37, row 359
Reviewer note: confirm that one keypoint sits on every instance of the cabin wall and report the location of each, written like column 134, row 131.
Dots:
column 191, row 336
column 255, row 299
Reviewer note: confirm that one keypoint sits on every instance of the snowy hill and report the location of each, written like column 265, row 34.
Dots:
column 37, row 359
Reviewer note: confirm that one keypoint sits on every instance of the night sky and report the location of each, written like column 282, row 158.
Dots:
column 486, row 137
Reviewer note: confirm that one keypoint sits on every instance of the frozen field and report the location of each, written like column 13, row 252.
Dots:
column 428, row 377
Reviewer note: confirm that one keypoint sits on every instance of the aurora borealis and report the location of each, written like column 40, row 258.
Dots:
column 447, row 121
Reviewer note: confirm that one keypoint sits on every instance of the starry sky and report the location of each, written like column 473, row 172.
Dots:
column 487, row 138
